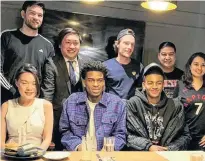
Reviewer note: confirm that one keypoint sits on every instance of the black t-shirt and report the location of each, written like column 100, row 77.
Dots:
column 171, row 80
column 194, row 107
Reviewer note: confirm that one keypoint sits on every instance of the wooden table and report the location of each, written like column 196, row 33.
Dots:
column 117, row 156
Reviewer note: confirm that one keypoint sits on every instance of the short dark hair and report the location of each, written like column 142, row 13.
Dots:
column 31, row 69
column 66, row 31
column 153, row 68
column 93, row 66
column 28, row 3
column 187, row 77
column 155, row 71
column 167, row 44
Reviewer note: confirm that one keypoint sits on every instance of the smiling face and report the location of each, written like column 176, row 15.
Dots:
column 126, row 46
column 26, row 85
column 153, row 85
column 33, row 17
column 197, row 67
column 70, row 46
column 167, row 57
column 94, row 84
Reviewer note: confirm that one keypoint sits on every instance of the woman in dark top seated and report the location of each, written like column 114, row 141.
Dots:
column 192, row 92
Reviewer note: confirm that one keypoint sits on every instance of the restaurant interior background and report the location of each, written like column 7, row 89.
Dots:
column 185, row 26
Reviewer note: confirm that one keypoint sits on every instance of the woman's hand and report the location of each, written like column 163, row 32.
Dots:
column 202, row 142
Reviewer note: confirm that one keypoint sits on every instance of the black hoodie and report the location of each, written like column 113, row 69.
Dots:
column 162, row 124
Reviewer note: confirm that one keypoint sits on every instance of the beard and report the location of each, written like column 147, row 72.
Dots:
column 29, row 24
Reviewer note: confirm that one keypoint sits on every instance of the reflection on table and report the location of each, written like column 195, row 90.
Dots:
column 128, row 156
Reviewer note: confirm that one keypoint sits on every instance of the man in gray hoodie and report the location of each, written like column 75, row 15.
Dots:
column 155, row 122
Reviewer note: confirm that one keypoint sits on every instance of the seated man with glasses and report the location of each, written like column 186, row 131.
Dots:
column 94, row 112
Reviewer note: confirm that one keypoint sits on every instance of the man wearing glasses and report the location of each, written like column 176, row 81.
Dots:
column 63, row 76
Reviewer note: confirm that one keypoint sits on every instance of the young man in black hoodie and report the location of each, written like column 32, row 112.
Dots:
column 155, row 122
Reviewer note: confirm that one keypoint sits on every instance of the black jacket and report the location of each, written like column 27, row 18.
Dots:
column 174, row 132
column 56, row 87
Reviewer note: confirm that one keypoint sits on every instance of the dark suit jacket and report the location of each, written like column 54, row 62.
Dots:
column 56, row 87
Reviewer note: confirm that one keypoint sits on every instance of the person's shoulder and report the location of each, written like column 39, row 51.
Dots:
column 75, row 97
column 4, row 108
column 84, row 59
column 109, row 61
column 46, row 103
column 8, row 33
column 181, row 84
column 112, row 97
column 45, row 40
column 177, row 70
column 114, row 101
column 134, row 61
column 5, row 105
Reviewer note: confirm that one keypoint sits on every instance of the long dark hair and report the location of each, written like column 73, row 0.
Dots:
column 187, row 77
column 31, row 69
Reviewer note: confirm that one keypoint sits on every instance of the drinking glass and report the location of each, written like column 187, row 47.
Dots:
column 196, row 157
column 109, row 144
column 88, row 145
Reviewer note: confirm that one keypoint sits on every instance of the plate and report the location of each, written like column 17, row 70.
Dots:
column 22, row 158
column 40, row 154
column 56, row 155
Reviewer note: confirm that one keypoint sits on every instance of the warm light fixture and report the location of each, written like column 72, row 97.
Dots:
column 92, row 1
column 74, row 23
column 159, row 5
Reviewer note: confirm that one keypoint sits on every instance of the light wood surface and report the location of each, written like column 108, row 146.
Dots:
column 117, row 156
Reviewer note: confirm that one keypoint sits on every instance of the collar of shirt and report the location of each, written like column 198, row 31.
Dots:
column 104, row 100
column 74, row 60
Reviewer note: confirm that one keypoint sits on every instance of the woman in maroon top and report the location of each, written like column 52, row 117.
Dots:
column 192, row 93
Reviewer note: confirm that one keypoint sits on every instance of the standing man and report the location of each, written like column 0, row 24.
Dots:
column 124, row 72
column 63, row 76
column 94, row 112
column 155, row 122
column 167, row 59
column 24, row 45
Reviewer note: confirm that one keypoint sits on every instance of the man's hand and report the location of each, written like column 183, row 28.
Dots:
column 79, row 148
column 157, row 148
column 202, row 142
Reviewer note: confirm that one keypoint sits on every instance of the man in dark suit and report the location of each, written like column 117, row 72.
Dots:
column 64, row 76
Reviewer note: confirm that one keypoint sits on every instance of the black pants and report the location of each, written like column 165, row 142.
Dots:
column 194, row 145
column 56, row 134
column 5, row 95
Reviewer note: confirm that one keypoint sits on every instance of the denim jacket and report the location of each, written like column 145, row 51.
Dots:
column 109, row 118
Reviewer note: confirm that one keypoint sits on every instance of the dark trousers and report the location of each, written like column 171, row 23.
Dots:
column 56, row 134
column 5, row 95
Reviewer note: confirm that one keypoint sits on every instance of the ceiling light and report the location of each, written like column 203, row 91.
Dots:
column 159, row 5
column 74, row 23
column 92, row 1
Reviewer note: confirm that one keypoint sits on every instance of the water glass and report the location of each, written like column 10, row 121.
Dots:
column 196, row 157
column 88, row 145
column 109, row 144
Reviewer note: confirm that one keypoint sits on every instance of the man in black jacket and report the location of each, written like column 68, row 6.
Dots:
column 155, row 122
column 63, row 75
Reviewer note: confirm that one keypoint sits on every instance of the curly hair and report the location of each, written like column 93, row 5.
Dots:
column 187, row 77
column 93, row 66
column 31, row 69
